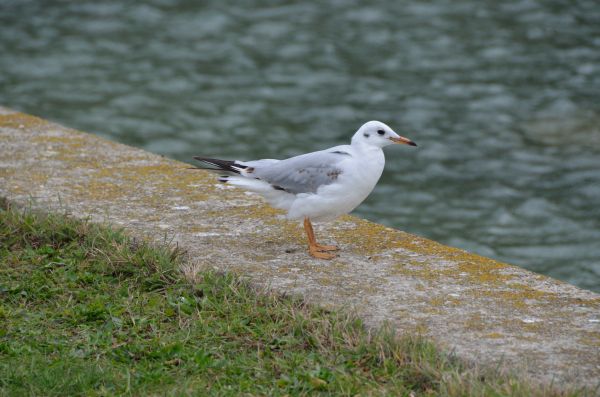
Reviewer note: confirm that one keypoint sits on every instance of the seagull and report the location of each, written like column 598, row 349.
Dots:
column 316, row 186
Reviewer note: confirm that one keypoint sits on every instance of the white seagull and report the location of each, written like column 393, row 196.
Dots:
column 316, row 186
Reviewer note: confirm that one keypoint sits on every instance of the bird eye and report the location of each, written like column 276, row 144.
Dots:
column 380, row 132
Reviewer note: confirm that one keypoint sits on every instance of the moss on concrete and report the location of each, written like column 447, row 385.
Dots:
column 20, row 121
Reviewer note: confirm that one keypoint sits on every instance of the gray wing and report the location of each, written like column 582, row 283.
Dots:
column 304, row 173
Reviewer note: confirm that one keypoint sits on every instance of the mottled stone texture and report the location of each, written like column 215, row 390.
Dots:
column 485, row 311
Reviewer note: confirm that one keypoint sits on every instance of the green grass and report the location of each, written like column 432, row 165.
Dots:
column 86, row 310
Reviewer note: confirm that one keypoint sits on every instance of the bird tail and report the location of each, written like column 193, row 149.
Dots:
column 220, row 165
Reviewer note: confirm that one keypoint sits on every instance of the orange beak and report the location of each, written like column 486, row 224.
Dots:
column 403, row 140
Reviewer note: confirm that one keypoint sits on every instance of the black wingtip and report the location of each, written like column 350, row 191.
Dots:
column 206, row 159
column 222, row 165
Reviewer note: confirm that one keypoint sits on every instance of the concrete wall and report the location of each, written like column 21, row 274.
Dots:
column 485, row 311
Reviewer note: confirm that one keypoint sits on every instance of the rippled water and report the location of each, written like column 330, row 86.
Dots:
column 503, row 99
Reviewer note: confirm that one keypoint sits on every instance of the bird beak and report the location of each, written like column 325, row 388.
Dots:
column 403, row 140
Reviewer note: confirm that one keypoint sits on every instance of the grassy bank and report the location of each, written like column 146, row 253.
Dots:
column 86, row 310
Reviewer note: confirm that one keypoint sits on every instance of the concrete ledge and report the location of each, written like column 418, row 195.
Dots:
column 486, row 311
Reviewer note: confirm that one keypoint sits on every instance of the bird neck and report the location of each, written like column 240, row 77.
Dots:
column 366, row 148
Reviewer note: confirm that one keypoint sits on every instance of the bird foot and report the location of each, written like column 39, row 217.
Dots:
column 325, row 248
column 316, row 252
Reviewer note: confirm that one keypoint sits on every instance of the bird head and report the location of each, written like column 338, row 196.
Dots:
column 378, row 134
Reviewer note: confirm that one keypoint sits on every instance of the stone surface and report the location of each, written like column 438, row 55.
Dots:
column 488, row 312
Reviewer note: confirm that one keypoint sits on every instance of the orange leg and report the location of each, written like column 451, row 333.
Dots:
column 311, row 235
column 315, row 249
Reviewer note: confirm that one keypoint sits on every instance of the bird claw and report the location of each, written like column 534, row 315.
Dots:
column 325, row 248
column 316, row 252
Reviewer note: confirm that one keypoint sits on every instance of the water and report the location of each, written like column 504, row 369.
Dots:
column 503, row 99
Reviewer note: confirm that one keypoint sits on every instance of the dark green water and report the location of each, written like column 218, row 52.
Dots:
column 503, row 99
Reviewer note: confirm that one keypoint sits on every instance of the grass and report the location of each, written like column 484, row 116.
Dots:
column 87, row 310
